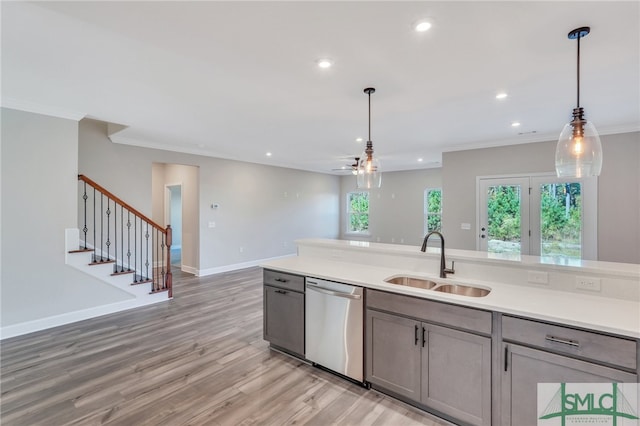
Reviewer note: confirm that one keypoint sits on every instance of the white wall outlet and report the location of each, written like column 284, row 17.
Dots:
column 465, row 226
column 538, row 277
column 588, row 283
column 212, row 224
column 241, row 249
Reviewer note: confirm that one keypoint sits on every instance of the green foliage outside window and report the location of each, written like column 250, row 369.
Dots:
column 504, row 213
column 561, row 219
column 358, row 211
column 433, row 210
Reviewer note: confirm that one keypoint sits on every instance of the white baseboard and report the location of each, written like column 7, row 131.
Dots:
column 235, row 266
column 69, row 317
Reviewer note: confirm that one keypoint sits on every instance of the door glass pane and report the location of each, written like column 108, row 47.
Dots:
column 561, row 221
column 503, row 219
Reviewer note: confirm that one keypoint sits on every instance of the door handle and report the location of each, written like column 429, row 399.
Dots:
column 281, row 292
column 506, row 358
column 415, row 335
column 423, row 336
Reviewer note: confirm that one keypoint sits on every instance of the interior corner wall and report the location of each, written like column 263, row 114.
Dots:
column 262, row 209
column 39, row 189
column 396, row 210
column 618, row 190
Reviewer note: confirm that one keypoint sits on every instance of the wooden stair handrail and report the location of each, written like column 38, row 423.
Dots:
column 110, row 195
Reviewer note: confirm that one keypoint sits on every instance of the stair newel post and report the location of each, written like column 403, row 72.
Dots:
column 169, row 276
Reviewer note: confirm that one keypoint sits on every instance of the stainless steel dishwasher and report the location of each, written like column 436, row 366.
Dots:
column 334, row 326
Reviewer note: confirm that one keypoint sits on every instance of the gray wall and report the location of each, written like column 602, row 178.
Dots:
column 396, row 212
column 39, row 200
column 618, row 190
column 262, row 209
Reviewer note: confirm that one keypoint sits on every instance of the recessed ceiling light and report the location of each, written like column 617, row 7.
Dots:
column 268, row 154
column 358, row 139
column 515, row 124
column 420, row 160
column 501, row 95
column 422, row 26
column 324, row 63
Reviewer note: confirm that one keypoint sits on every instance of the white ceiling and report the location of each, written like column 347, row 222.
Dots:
column 238, row 79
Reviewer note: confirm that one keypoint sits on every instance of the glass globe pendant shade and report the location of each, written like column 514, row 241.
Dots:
column 369, row 175
column 579, row 151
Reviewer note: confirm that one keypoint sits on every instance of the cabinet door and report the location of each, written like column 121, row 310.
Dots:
column 284, row 319
column 456, row 374
column 393, row 353
column 524, row 368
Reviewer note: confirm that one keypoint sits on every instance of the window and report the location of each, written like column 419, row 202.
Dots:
column 358, row 212
column 432, row 210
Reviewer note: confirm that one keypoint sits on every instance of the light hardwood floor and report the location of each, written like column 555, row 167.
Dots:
column 197, row 359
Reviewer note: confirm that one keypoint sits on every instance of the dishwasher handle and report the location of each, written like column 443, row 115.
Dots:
column 330, row 292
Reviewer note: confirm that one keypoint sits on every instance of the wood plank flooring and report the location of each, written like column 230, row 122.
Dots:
column 198, row 359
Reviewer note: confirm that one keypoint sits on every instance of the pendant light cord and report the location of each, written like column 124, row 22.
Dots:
column 369, row 115
column 578, row 72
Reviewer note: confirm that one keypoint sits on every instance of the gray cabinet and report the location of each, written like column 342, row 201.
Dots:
column 456, row 374
column 441, row 368
column 536, row 352
column 393, row 353
column 283, row 322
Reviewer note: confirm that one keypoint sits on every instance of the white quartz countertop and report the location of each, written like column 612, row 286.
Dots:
column 615, row 316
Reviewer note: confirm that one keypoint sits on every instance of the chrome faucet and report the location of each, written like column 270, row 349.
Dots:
column 443, row 263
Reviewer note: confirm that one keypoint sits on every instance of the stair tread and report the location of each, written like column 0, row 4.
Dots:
column 81, row 250
column 101, row 262
column 158, row 291
column 130, row 271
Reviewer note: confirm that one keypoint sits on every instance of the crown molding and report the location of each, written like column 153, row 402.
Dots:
column 37, row 108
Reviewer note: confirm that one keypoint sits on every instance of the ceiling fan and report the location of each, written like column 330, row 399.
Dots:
column 353, row 168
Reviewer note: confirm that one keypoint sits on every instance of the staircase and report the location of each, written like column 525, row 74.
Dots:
column 119, row 245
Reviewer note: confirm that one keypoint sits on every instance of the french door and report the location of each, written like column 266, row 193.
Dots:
column 539, row 215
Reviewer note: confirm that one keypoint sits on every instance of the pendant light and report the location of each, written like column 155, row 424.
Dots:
column 579, row 151
column 369, row 174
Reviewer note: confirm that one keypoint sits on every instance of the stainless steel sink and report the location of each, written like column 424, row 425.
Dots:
column 412, row 282
column 462, row 290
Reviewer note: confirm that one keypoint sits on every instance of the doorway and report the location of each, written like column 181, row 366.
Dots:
column 173, row 216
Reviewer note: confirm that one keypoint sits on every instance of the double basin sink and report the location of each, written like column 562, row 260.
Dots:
column 459, row 289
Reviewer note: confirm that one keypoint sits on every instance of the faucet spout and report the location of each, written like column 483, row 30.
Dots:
column 443, row 263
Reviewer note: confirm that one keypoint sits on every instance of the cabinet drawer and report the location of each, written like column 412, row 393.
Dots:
column 584, row 344
column 428, row 310
column 284, row 280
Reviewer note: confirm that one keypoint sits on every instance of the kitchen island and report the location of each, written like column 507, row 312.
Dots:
column 477, row 360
